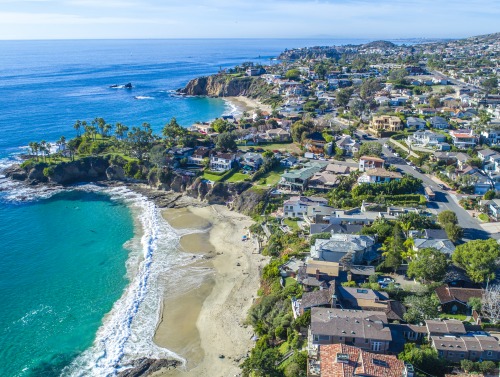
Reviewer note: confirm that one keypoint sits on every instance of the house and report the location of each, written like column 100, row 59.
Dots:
column 203, row 128
column 463, row 139
column 348, row 145
column 490, row 137
column 493, row 207
column 454, row 344
column 279, row 134
column 426, row 138
column 369, row 162
column 362, row 298
column 445, row 327
column 318, row 274
column 289, row 161
column 335, row 228
column 255, row 71
column 457, row 277
column 341, row 360
column 438, row 122
column 297, row 206
column 180, row 153
column 379, row 175
column 386, row 123
column 485, row 154
column 315, row 142
column 367, row 330
column 222, row 162
column 198, row 156
column 298, row 179
column 455, row 300
column 338, row 246
column 443, row 245
column 324, row 298
column 417, row 123
column 323, row 181
column 252, row 160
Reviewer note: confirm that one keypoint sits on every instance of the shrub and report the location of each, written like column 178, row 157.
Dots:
column 48, row 171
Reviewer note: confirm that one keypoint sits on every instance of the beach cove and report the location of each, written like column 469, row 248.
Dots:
column 207, row 325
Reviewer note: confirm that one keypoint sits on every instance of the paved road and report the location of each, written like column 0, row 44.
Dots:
column 459, row 83
column 444, row 200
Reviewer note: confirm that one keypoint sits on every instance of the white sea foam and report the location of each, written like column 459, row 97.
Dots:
column 143, row 97
column 153, row 267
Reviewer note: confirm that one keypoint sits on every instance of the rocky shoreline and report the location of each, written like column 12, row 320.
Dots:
column 177, row 191
column 146, row 367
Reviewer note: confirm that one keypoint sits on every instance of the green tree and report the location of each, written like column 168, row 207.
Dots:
column 293, row 74
column 369, row 87
column 475, row 303
column 434, row 102
column 140, row 140
column 428, row 265
column 226, row 142
column 421, row 308
column 371, row 148
column 488, row 195
column 478, row 258
column 300, row 129
column 447, row 217
column 343, row 96
column 454, row 232
column 490, row 84
column 220, row 125
column 424, row 358
column 393, row 248
column 173, row 132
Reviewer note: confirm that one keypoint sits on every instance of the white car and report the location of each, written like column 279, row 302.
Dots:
column 395, row 154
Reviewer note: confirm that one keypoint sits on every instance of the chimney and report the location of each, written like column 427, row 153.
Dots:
column 317, row 274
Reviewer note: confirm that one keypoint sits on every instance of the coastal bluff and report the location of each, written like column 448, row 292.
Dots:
column 223, row 85
column 159, row 188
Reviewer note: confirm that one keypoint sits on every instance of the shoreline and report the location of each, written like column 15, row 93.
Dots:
column 216, row 341
column 243, row 103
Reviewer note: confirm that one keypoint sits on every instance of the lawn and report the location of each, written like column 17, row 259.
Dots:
column 460, row 317
column 484, row 217
column 237, row 177
column 212, row 177
column 292, row 224
column 286, row 147
column 290, row 281
column 272, row 178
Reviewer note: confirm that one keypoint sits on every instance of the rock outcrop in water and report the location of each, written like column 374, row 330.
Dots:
column 145, row 367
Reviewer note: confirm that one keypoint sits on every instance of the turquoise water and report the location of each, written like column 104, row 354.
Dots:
column 62, row 268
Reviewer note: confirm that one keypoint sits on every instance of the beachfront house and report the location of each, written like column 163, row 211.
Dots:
column 367, row 330
column 222, row 162
column 357, row 248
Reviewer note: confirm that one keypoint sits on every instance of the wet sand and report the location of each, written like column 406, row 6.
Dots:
column 207, row 322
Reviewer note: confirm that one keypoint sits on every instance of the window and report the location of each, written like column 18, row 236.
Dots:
column 489, row 353
column 462, row 355
column 376, row 346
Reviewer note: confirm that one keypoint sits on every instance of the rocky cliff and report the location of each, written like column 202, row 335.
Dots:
column 101, row 169
column 222, row 85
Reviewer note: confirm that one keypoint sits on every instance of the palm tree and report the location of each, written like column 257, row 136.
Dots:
column 406, row 228
column 99, row 123
column 77, row 126
column 107, row 128
column 120, row 130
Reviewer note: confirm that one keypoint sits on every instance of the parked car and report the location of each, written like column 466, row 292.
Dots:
column 385, row 280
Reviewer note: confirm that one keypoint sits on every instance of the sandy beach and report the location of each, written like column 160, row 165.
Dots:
column 208, row 322
column 243, row 103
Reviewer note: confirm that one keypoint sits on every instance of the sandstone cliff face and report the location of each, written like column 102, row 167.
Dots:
column 93, row 169
column 220, row 86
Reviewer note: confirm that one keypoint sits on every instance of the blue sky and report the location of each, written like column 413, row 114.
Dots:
column 68, row 19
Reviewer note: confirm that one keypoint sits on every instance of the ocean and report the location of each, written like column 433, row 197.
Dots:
column 82, row 270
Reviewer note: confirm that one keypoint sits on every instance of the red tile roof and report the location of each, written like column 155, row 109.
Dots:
column 360, row 363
